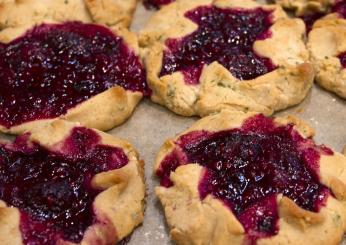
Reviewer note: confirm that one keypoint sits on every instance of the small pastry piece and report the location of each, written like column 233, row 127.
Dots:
column 16, row 16
column 312, row 10
column 242, row 178
column 80, row 72
column 306, row 7
column 203, row 56
column 327, row 46
column 66, row 184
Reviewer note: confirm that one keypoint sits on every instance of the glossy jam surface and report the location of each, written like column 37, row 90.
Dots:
column 248, row 167
column 52, row 189
column 52, row 68
column 223, row 35
column 156, row 4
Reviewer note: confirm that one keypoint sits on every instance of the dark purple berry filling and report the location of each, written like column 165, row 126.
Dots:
column 52, row 189
column 248, row 167
column 342, row 58
column 340, row 8
column 156, row 4
column 52, row 68
column 223, row 35
column 310, row 19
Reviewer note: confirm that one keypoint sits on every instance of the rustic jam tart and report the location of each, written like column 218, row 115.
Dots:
column 81, row 72
column 66, row 183
column 18, row 16
column 236, row 178
column 202, row 56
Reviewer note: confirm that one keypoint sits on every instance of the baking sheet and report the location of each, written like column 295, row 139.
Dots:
column 151, row 124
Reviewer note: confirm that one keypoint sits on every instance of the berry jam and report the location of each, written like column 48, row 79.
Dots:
column 156, row 4
column 248, row 167
column 52, row 68
column 52, row 189
column 340, row 8
column 223, row 35
column 342, row 58
column 310, row 19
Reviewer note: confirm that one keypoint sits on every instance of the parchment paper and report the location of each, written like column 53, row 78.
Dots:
column 152, row 124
